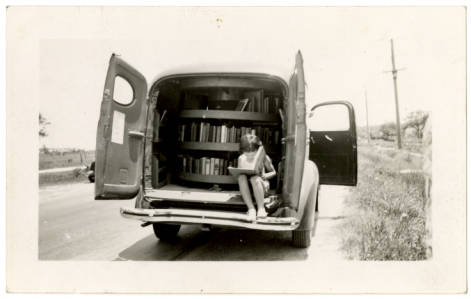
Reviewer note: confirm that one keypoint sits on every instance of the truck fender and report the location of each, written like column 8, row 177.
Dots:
column 141, row 203
column 308, row 196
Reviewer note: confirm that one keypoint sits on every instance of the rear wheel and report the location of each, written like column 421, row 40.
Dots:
column 166, row 232
column 301, row 238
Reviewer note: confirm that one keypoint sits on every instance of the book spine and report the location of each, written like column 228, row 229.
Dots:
column 210, row 135
column 234, row 134
column 223, row 133
column 184, row 164
column 203, row 165
column 218, row 134
column 206, row 135
column 208, row 166
column 213, row 134
column 190, row 164
column 216, row 166
column 211, row 168
column 201, row 129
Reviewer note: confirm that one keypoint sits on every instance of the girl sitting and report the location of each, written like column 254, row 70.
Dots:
column 251, row 146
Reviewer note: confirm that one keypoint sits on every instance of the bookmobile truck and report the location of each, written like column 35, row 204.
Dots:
column 170, row 146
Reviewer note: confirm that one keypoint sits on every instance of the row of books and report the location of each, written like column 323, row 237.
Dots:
column 205, row 132
column 267, row 104
column 204, row 165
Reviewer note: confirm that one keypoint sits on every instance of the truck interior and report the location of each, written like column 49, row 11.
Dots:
column 196, row 122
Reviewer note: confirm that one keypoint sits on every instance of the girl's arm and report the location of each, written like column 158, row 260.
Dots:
column 269, row 167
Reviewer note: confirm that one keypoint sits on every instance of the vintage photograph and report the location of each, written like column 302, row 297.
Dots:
column 235, row 135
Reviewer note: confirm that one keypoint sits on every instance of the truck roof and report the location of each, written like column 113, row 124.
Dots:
column 226, row 68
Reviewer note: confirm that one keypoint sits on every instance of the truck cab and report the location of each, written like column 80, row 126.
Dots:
column 170, row 145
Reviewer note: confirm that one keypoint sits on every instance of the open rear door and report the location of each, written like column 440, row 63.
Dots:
column 120, row 135
column 296, row 135
column 333, row 142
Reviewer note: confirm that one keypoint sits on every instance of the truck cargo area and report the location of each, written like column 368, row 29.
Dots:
column 195, row 123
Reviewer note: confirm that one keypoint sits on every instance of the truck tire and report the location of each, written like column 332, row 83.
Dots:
column 166, row 232
column 301, row 238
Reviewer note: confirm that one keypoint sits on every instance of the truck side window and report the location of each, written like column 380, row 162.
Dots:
column 123, row 92
column 329, row 118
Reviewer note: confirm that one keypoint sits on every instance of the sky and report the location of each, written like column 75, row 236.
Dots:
column 346, row 52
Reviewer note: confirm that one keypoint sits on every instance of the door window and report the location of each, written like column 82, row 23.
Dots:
column 329, row 118
column 123, row 93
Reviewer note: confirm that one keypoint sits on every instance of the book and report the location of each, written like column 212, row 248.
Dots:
column 252, row 168
column 197, row 168
column 190, row 164
column 213, row 134
column 242, row 104
column 207, row 136
column 223, row 134
column 193, row 132
column 184, row 164
column 218, row 134
column 210, row 135
column 211, row 167
column 201, row 130
column 207, row 166
column 216, row 166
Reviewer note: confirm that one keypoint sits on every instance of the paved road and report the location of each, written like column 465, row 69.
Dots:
column 73, row 226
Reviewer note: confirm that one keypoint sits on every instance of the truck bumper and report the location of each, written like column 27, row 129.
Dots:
column 227, row 219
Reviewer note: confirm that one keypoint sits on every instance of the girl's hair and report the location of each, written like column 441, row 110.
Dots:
column 249, row 143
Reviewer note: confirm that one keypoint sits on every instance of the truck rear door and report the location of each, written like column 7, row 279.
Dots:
column 296, row 134
column 333, row 142
column 120, row 134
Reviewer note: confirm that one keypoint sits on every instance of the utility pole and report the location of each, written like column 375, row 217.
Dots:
column 394, row 73
column 367, row 125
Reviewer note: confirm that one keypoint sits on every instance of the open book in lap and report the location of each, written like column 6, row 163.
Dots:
column 253, row 167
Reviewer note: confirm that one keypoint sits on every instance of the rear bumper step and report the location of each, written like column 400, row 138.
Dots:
column 231, row 219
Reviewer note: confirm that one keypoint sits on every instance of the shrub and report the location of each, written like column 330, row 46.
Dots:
column 68, row 176
column 389, row 219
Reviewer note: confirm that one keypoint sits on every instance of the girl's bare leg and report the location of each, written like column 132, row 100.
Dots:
column 259, row 194
column 245, row 192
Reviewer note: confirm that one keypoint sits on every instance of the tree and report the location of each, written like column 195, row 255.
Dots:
column 388, row 131
column 416, row 120
column 43, row 123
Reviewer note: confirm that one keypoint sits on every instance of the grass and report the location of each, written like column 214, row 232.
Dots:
column 70, row 176
column 387, row 208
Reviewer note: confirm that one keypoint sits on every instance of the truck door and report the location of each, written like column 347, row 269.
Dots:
column 120, row 134
column 333, row 142
column 296, row 135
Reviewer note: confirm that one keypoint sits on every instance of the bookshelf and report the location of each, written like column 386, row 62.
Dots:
column 209, row 125
column 210, row 179
column 230, row 115
column 216, row 146
column 159, row 163
column 210, row 146
column 209, row 132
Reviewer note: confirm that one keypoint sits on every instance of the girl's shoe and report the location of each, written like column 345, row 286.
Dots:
column 261, row 214
column 252, row 215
